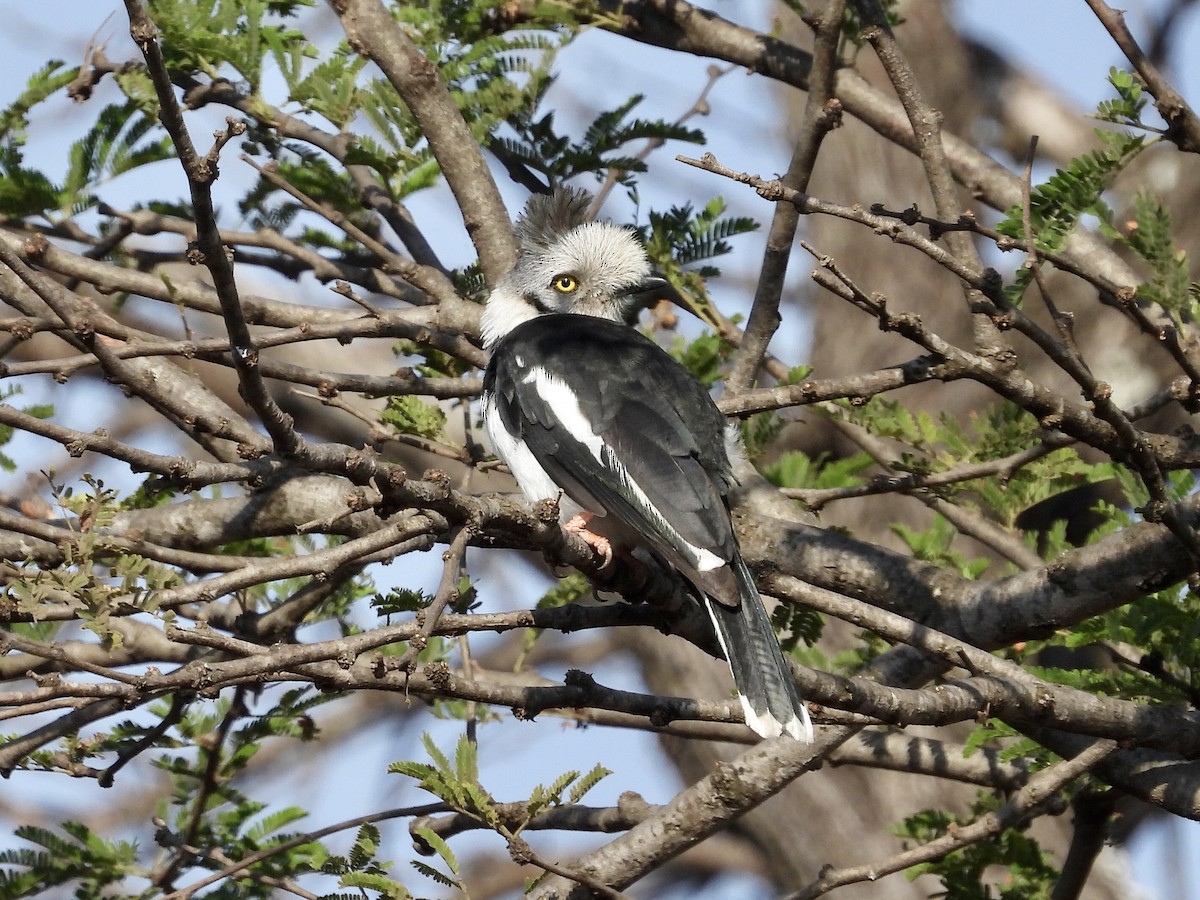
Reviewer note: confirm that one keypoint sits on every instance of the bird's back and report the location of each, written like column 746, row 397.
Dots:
column 655, row 454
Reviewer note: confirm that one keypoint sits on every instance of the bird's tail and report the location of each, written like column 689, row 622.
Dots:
column 769, row 697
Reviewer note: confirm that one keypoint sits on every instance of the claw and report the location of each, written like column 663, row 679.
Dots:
column 578, row 525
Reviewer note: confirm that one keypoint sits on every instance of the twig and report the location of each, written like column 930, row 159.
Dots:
column 523, row 854
column 822, row 113
column 1002, row 469
column 380, row 434
column 927, row 128
column 630, row 810
column 432, row 281
column 699, row 107
column 209, row 783
column 447, row 593
column 177, row 470
column 258, row 856
column 1000, row 687
column 967, row 521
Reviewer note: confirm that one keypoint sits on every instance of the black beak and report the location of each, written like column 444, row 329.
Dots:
column 656, row 288
column 650, row 291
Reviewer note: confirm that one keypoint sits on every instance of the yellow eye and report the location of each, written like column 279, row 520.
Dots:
column 565, row 284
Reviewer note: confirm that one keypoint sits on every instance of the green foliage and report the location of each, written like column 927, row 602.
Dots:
column 118, row 142
column 571, row 587
column 1163, row 632
column 314, row 175
column 218, row 741
column 94, row 576
column 110, row 149
column 1152, row 237
column 934, row 545
column 684, row 235
column 933, row 445
column 80, row 857
column 539, row 147
column 797, row 623
column 963, row 873
column 1011, row 743
column 362, row 869
column 50, row 78
column 493, row 78
column 207, row 746
column 760, row 430
column 1126, row 108
column 1071, row 193
column 400, row 600
column 434, row 363
column 331, row 89
column 704, row 357
column 1056, row 206
column 796, row 469
column 409, row 414
column 456, row 782
column 24, row 191
column 214, row 36
column 852, row 24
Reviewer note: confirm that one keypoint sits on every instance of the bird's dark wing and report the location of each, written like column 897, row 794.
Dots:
column 625, row 431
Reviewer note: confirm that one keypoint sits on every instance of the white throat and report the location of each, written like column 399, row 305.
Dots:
column 503, row 312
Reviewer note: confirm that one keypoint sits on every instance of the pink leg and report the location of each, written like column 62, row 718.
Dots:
column 578, row 524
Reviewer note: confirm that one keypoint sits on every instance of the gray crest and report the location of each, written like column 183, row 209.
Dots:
column 547, row 217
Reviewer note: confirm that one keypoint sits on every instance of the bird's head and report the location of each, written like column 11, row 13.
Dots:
column 567, row 264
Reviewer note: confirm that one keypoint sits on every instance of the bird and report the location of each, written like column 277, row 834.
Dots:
column 585, row 409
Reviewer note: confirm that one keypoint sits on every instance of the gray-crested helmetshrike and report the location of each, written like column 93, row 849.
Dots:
column 584, row 408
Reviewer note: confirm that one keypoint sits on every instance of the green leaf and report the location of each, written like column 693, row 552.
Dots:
column 593, row 777
column 1056, row 206
column 1152, row 237
column 1127, row 108
column 466, row 759
column 796, row 469
column 43, row 83
column 933, row 544
column 409, row 414
column 798, row 624
column 376, row 881
column 541, row 148
column 703, row 357
column 439, row 845
column 440, row 877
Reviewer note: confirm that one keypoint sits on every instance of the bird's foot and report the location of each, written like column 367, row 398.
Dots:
column 578, row 525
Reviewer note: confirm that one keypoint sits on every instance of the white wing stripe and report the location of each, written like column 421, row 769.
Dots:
column 558, row 395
